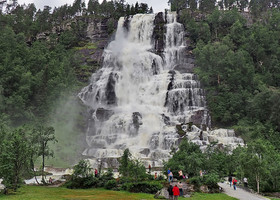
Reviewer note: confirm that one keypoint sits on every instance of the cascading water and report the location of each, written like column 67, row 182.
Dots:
column 138, row 97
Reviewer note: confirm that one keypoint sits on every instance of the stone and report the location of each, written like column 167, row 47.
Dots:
column 103, row 114
column 162, row 194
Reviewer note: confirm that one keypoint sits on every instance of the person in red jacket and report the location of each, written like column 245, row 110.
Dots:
column 176, row 192
column 234, row 182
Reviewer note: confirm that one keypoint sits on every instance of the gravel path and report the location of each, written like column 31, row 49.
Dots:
column 240, row 193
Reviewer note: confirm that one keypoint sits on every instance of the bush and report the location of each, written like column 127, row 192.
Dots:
column 104, row 178
column 82, row 182
column 124, row 179
column 160, row 178
column 145, row 187
column 111, row 184
column 196, row 181
column 211, row 180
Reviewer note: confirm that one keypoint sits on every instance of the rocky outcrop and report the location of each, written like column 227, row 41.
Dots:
column 159, row 33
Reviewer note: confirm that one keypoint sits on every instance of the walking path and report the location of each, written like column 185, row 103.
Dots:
column 239, row 193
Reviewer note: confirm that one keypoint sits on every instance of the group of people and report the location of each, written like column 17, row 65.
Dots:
column 176, row 191
column 233, row 182
column 180, row 173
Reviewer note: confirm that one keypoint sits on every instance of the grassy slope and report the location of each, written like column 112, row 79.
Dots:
column 48, row 193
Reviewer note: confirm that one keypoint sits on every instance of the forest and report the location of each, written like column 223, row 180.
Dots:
column 236, row 44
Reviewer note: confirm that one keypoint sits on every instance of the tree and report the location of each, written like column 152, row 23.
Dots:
column 14, row 157
column 188, row 158
column 261, row 156
column 131, row 168
column 207, row 5
column 124, row 162
column 44, row 135
column 93, row 7
column 82, row 169
column 143, row 8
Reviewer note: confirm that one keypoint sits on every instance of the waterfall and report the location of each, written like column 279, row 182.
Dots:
column 138, row 97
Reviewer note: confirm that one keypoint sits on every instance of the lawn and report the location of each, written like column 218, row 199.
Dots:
column 61, row 193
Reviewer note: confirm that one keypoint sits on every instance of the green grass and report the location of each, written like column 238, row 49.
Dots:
column 61, row 193
column 202, row 196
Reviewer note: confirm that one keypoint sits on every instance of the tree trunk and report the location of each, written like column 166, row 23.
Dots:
column 258, row 183
column 43, row 164
column 34, row 173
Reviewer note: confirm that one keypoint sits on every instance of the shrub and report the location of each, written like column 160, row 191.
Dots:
column 111, row 184
column 196, row 181
column 145, row 187
column 104, row 178
column 82, row 182
column 211, row 180
column 125, row 179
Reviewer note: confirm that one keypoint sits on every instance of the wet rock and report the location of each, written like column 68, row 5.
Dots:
column 145, row 152
column 103, row 114
column 110, row 94
column 159, row 33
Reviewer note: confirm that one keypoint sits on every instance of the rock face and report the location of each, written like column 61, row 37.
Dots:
column 159, row 33
column 97, row 33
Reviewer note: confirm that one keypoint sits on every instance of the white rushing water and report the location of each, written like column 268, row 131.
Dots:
column 137, row 97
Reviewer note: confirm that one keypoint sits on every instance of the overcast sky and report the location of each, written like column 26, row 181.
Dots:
column 158, row 5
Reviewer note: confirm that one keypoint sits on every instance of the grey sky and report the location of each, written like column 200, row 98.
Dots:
column 158, row 5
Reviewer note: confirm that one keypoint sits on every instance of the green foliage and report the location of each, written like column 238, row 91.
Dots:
column 82, row 169
column 211, row 180
column 14, row 157
column 82, row 182
column 189, row 159
column 41, row 137
column 111, row 184
column 131, row 168
column 19, row 149
column 238, row 67
column 105, row 178
column 145, row 187
column 196, row 181
column 264, row 159
column 82, row 176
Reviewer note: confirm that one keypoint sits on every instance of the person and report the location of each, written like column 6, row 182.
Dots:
column 95, row 172
column 155, row 176
column 234, row 182
column 170, row 177
column 245, row 180
column 200, row 173
column 180, row 186
column 230, row 180
column 150, row 168
column 176, row 192
column 50, row 180
column 170, row 191
column 180, row 174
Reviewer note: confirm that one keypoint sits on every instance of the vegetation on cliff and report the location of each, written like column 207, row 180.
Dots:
column 236, row 45
column 237, row 58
